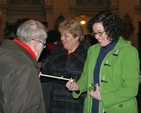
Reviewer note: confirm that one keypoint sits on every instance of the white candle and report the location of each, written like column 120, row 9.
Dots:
column 60, row 78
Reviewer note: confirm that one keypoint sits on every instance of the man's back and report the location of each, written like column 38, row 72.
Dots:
column 20, row 88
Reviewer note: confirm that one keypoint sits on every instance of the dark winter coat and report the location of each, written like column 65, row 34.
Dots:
column 20, row 87
column 62, row 100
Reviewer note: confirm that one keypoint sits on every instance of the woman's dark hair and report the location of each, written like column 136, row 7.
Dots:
column 112, row 24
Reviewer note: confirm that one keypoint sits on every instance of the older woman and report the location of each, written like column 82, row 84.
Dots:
column 111, row 71
column 67, row 60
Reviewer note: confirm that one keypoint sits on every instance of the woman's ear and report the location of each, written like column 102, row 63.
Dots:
column 34, row 46
column 77, row 38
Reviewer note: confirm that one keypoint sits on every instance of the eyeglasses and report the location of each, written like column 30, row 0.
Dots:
column 98, row 33
column 40, row 42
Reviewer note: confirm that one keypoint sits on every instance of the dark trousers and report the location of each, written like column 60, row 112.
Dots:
column 47, row 87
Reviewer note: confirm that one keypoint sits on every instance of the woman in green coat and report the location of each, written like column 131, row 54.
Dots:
column 111, row 71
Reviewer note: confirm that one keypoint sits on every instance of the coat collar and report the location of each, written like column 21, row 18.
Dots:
column 25, row 46
column 15, row 46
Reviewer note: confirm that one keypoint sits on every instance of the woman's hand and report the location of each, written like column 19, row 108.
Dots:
column 72, row 86
column 95, row 94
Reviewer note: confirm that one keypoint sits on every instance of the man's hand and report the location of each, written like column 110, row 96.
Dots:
column 39, row 74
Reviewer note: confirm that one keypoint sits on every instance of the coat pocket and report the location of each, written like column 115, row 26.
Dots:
column 123, row 107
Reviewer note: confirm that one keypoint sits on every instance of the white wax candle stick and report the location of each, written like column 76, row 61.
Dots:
column 51, row 76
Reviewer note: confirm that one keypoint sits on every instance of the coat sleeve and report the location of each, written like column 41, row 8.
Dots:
column 46, row 69
column 46, row 66
column 25, row 91
column 83, row 81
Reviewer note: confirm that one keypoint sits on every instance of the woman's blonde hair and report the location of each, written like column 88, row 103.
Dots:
column 73, row 27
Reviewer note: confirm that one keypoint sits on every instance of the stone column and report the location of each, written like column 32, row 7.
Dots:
column 72, row 2
column 114, row 2
column 48, row 2
column 3, row 18
column 114, row 5
column 137, row 21
column 137, row 2
column 129, row 4
column 72, row 8
column 2, row 1
column 56, row 7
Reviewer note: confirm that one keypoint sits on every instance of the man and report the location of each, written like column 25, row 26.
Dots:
column 20, row 87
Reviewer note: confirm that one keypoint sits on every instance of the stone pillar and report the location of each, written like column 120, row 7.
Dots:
column 114, row 2
column 48, row 2
column 61, row 6
column 72, row 8
column 3, row 19
column 137, row 2
column 56, row 7
column 72, row 2
column 114, row 6
column 49, row 16
column 137, row 24
column 129, row 8
column 131, row 12
column 2, row 1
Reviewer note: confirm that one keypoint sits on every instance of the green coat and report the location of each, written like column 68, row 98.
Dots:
column 121, row 74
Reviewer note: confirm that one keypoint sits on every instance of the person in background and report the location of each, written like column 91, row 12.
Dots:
column 111, row 71
column 51, row 42
column 20, row 87
column 9, row 32
column 67, row 60
column 90, row 40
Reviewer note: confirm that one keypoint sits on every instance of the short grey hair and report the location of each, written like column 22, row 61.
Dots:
column 31, row 29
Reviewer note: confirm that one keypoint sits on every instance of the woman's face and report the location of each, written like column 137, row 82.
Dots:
column 100, row 34
column 69, row 42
